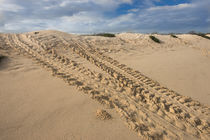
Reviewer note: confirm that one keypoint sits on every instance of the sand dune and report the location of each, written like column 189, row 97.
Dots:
column 108, row 70
column 35, row 105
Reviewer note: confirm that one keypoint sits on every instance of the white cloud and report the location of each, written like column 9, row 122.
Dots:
column 175, row 7
column 128, row 18
column 4, row 6
column 101, row 3
column 83, row 17
column 133, row 10
column 111, row 2
column 88, row 16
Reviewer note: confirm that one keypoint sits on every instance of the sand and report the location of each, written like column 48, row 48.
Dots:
column 35, row 105
column 160, row 91
column 183, row 70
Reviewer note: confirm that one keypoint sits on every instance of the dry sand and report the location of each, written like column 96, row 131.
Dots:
column 35, row 105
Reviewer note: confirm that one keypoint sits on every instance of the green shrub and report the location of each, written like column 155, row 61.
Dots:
column 174, row 36
column 105, row 34
column 203, row 35
column 36, row 33
column 155, row 39
column 199, row 34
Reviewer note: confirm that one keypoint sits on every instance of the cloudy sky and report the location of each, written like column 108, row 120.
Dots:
column 93, row 16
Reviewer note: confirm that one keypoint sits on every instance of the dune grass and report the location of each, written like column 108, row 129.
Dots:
column 203, row 35
column 173, row 35
column 155, row 39
column 199, row 34
column 36, row 33
column 105, row 35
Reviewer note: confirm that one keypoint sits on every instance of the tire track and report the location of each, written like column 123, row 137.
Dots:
column 185, row 102
column 165, row 105
column 146, row 80
column 126, row 113
column 142, row 107
column 192, row 118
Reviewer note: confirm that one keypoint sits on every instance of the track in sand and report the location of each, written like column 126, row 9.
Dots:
column 153, row 111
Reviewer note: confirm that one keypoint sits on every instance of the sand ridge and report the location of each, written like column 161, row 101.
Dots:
column 150, row 109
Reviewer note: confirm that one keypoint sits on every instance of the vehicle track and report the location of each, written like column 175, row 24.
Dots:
column 155, row 112
column 180, row 110
column 154, row 86
column 144, row 79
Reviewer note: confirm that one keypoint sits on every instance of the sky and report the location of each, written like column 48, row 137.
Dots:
column 96, row 16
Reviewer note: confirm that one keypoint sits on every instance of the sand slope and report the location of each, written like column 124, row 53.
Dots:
column 146, row 106
column 185, row 70
column 35, row 105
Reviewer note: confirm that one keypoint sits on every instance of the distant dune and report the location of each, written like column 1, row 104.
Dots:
column 160, row 90
column 208, row 35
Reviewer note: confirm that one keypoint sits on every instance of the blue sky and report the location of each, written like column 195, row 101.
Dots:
column 93, row 16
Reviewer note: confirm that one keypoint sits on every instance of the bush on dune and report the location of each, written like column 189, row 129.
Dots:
column 173, row 35
column 105, row 35
column 203, row 35
column 199, row 34
column 155, row 39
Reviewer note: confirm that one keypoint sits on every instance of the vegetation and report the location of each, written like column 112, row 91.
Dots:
column 199, row 34
column 2, row 57
column 155, row 33
column 105, row 34
column 36, row 33
column 203, row 35
column 192, row 32
column 155, row 39
column 174, row 36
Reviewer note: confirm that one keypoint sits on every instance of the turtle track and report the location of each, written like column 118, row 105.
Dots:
column 155, row 112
